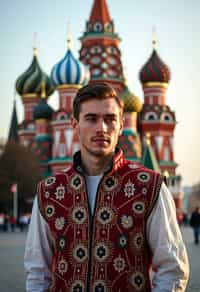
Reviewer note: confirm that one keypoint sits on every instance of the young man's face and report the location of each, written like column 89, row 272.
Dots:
column 99, row 126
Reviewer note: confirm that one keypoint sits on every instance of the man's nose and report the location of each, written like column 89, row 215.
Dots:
column 101, row 125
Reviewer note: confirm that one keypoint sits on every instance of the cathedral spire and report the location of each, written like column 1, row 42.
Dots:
column 13, row 131
column 100, row 47
column 35, row 49
column 69, row 36
column 154, row 38
column 100, row 12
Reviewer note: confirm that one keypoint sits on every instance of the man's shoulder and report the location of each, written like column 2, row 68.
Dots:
column 56, row 178
column 138, row 167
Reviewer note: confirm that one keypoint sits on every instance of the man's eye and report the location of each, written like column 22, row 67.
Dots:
column 110, row 119
column 91, row 119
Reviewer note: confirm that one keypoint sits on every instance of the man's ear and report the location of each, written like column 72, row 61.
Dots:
column 74, row 123
column 121, row 125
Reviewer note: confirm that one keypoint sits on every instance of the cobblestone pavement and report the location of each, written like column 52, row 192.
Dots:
column 12, row 275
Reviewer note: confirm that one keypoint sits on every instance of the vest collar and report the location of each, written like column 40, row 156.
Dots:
column 117, row 162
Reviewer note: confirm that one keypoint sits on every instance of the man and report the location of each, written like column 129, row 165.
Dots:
column 195, row 224
column 105, row 222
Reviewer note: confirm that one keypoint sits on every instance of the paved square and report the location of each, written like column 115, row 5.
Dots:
column 12, row 275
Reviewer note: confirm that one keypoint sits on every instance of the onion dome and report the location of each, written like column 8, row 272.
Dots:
column 30, row 81
column 132, row 103
column 70, row 70
column 43, row 110
column 155, row 70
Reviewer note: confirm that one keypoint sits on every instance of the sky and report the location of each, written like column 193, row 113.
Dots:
column 177, row 26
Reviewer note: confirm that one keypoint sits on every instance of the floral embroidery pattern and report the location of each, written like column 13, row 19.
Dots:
column 60, row 192
column 129, row 189
column 143, row 177
column 122, row 241
column 79, row 215
column 99, row 286
column 133, row 166
column 101, row 252
column 119, row 264
column 78, row 286
column 110, row 183
column 49, row 181
column 80, row 253
column 144, row 191
column 60, row 223
column 105, row 215
column 137, row 280
column 138, row 207
column 138, row 241
column 46, row 195
column 62, row 266
column 76, row 182
column 62, row 242
column 49, row 210
column 127, row 221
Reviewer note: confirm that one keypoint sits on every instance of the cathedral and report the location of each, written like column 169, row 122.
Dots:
column 148, row 132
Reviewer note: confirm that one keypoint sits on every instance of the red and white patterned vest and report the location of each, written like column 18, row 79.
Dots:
column 107, row 251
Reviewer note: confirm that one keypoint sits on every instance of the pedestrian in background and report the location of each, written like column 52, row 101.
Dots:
column 2, row 220
column 12, row 221
column 195, row 224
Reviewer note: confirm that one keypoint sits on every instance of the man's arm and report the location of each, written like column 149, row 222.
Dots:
column 170, row 260
column 38, row 253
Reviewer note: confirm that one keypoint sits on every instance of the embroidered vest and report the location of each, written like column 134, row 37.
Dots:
column 106, row 252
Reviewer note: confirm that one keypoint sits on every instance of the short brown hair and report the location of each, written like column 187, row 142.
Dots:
column 94, row 91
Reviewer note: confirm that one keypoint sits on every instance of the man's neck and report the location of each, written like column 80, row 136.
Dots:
column 95, row 165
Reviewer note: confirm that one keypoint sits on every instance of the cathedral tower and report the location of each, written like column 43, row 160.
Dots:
column 158, row 120
column 28, row 86
column 100, row 47
column 156, row 116
column 68, row 75
column 42, row 142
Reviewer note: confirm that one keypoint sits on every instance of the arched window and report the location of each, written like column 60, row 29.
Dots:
column 151, row 116
column 98, row 27
column 31, row 127
column 108, row 27
column 166, row 154
column 89, row 26
column 62, row 150
column 62, row 117
column 166, row 117
column 95, row 50
column 96, row 72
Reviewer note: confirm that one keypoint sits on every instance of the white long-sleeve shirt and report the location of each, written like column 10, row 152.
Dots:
column 170, row 259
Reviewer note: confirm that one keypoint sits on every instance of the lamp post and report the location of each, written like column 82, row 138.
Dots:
column 15, row 200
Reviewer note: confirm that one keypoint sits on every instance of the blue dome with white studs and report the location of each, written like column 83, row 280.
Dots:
column 70, row 71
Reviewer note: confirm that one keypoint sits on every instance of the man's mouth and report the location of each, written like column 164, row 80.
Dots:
column 101, row 139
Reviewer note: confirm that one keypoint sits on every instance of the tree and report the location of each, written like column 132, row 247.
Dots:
column 18, row 165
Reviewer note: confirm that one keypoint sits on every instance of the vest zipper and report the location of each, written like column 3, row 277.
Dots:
column 91, row 225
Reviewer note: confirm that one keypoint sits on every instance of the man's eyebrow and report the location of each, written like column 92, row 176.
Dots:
column 111, row 115
column 90, row 115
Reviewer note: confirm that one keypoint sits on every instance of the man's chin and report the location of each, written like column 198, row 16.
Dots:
column 103, row 152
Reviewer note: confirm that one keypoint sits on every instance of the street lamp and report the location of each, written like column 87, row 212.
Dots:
column 15, row 200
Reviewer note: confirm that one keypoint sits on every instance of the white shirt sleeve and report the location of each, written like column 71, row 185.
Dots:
column 38, row 253
column 170, row 261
